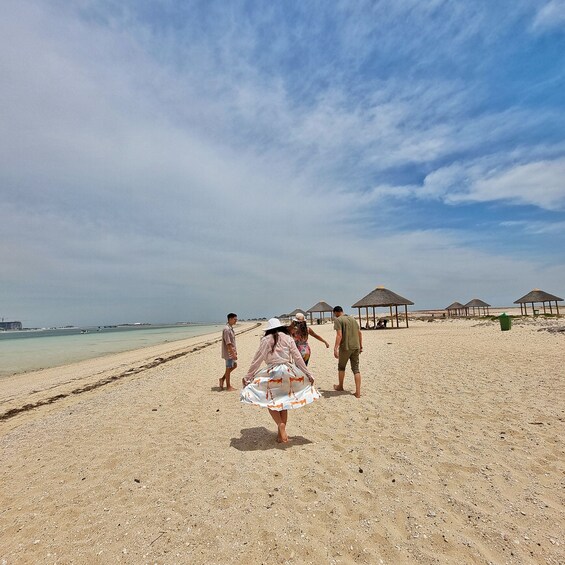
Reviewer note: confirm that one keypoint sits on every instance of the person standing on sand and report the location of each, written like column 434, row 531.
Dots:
column 229, row 351
column 300, row 332
column 284, row 384
column 348, row 346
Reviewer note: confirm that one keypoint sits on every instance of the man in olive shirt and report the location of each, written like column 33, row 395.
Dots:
column 348, row 345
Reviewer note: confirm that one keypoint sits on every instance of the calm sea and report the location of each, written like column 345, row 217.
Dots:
column 31, row 350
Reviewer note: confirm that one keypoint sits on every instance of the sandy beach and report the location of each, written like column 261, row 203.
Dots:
column 454, row 454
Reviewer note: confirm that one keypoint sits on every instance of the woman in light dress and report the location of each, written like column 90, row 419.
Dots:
column 300, row 332
column 284, row 383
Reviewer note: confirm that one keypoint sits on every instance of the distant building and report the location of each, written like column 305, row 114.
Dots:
column 10, row 325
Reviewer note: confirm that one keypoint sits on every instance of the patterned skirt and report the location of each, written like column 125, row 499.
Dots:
column 279, row 387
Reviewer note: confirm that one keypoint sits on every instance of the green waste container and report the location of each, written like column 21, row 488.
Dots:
column 505, row 322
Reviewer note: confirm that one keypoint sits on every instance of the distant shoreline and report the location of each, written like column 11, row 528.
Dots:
column 27, row 351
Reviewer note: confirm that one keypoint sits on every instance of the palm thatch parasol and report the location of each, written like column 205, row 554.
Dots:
column 537, row 295
column 382, row 297
column 477, row 303
column 297, row 311
column 320, row 308
column 457, row 309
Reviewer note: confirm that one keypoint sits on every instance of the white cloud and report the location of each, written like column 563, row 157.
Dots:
column 550, row 16
column 493, row 178
column 540, row 183
column 537, row 227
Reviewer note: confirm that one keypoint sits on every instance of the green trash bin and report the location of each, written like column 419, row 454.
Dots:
column 505, row 322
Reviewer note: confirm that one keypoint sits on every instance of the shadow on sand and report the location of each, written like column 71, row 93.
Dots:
column 331, row 393
column 262, row 439
column 218, row 389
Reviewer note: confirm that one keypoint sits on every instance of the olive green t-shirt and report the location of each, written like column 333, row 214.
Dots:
column 349, row 332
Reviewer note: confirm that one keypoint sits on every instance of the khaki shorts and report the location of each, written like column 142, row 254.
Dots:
column 348, row 355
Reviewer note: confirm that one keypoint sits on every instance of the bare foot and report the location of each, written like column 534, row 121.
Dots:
column 230, row 388
column 337, row 387
column 221, row 383
column 283, row 436
column 357, row 395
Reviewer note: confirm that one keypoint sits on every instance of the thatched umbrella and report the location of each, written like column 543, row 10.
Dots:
column 297, row 311
column 456, row 309
column 382, row 297
column 320, row 308
column 476, row 303
column 534, row 296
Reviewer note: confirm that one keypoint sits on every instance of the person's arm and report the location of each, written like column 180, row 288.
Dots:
column 232, row 351
column 338, row 337
column 319, row 338
column 230, row 344
column 299, row 362
column 257, row 360
column 360, row 341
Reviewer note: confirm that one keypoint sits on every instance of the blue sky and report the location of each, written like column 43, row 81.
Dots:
column 164, row 161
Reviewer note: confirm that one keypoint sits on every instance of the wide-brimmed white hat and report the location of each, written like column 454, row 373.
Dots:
column 299, row 317
column 274, row 323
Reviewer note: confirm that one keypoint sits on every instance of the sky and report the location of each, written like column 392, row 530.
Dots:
column 171, row 160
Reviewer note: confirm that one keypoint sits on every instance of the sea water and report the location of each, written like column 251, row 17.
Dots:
column 22, row 351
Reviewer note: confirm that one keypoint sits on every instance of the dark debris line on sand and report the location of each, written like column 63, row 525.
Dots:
column 158, row 361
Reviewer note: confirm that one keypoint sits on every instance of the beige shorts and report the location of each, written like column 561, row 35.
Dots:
column 348, row 355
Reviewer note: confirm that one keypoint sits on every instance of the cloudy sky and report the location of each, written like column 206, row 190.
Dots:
column 175, row 160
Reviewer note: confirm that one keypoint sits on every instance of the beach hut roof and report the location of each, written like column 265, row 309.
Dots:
column 297, row 311
column 381, row 297
column 476, row 303
column 320, row 307
column 456, row 306
column 537, row 295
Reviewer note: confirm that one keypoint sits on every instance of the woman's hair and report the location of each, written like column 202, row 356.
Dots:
column 301, row 329
column 275, row 333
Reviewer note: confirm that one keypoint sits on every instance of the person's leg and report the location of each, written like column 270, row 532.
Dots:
column 356, row 372
column 278, row 418
column 341, row 364
column 357, row 377
column 227, row 377
column 226, row 374
column 341, row 378
column 230, row 366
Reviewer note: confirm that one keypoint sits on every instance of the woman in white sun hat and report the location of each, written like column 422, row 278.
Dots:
column 284, row 383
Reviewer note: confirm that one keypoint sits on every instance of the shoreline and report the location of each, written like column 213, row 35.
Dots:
column 21, row 392
column 27, row 352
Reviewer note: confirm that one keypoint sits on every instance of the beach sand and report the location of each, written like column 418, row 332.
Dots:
column 454, row 454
